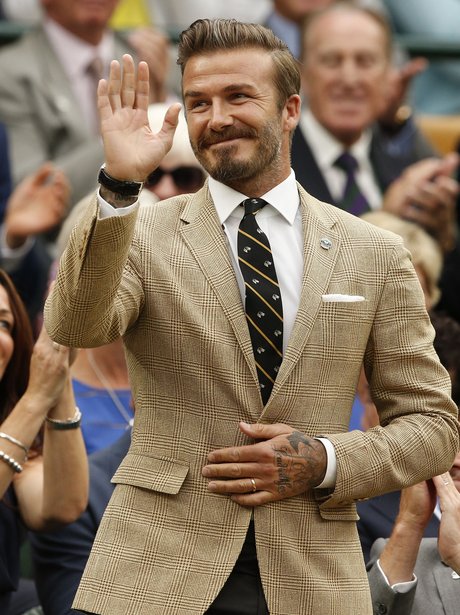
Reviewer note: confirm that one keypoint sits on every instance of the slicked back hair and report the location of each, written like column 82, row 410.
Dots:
column 206, row 36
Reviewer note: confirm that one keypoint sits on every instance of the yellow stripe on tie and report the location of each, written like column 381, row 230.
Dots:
column 265, row 373
column 264, row 301
column 259, row 272
column 262, row 245
column 264, row 336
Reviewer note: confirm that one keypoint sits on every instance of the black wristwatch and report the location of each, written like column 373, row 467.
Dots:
column 118, row 186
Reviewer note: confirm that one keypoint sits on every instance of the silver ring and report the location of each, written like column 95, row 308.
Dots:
column 56, row 346
column 254, row 488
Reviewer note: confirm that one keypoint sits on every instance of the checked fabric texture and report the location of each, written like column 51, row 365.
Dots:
column 352, row 200
column 264, row 308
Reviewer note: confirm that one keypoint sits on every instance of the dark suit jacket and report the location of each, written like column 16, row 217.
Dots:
column 436, row 592
column 387, row 166
column 377, row 517
column 60, row 557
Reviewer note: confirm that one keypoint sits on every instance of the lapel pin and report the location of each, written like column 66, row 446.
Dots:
column 325, row 243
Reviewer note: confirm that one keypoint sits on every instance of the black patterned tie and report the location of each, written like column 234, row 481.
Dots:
column 264, row 308
column 353, row 199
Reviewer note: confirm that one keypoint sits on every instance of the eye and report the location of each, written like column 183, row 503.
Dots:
column 6, row 325
column 197, row 105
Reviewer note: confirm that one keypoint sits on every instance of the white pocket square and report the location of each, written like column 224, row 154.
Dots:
column 342, row 298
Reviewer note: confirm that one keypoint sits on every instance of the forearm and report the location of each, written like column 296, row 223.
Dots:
column 81, row 311
column 398, row 558
column 22, row 424
column 65, row 465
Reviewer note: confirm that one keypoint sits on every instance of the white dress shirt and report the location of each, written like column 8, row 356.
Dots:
column 326, row 149
column 282, row 223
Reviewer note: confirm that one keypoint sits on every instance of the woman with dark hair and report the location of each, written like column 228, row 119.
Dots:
column 43, row 464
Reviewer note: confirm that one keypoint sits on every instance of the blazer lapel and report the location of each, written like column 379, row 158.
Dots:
column 56, row 88
column 203, row 234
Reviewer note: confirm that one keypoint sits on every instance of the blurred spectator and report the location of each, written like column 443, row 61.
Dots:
column 60, row 557
column 176, row 15
column 437, row 89
column 36, row 207
column 346, row 76
column 416, row 575
column 179, row 172
column 42, row 484
column 48, row 85
column 377, row 515
column 435, row 588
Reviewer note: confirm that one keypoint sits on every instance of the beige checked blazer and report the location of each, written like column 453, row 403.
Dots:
column 164, row 280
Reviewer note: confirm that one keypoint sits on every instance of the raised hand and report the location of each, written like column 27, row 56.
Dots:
column 425, row 193
column 283, row 463
column 49, row 371
column 132, row 150
column 449, row 529
column 37, row 205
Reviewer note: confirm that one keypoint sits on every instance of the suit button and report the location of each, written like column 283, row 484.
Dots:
column 381, row 608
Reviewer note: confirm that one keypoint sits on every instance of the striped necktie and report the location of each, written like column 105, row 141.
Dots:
column 263, row 304
column 352, row 200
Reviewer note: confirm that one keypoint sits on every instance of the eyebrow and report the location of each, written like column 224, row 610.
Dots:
column 5, row 312
column 229, row 88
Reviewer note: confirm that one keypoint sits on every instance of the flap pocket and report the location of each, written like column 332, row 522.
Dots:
column 154, row 473
column 340, row 513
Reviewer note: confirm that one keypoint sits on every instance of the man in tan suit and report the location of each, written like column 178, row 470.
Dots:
column 226, row 503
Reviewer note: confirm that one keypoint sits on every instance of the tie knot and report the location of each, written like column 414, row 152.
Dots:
column 95, row 68
column 252, row 206
column 347, row 162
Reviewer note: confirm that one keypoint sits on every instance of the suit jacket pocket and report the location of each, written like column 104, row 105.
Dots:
column 154, row 473
column 344, row 512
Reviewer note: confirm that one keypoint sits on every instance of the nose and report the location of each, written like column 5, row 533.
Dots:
column 349, row 72
column 166, row 188
column 220, row 116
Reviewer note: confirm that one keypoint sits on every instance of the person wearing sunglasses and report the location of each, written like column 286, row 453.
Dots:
column 180, row 172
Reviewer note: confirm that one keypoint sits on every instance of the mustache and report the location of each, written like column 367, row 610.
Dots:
column 211, row 138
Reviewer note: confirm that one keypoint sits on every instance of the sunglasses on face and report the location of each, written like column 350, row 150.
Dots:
column 185, row 178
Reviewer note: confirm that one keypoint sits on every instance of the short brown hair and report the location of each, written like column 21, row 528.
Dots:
column 208, row 35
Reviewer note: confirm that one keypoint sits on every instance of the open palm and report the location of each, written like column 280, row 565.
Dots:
column 132, row 150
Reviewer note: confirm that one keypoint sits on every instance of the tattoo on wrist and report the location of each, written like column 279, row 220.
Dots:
column 115, row 199
column 304, row 469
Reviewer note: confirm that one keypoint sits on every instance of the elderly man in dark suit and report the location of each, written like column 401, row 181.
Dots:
column 347, row 81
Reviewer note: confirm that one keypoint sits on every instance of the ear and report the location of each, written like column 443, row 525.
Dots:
column 292, row 112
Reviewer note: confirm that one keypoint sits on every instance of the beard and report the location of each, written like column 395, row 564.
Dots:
column 223, row 166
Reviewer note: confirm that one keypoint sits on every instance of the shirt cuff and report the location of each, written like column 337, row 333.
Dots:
column 107, row 211
column 12, row 257
column 399, row 588
column 331, row 468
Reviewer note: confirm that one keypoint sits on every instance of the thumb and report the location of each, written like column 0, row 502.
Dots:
column 42, row 174
column 170, row 122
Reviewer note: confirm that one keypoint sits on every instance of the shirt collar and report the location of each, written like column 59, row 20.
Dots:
column 326, row 148
column 283, row 198
column 74, row 53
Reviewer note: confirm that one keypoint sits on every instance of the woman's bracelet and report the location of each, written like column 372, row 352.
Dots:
column 72, row 423
column 14, row 465
column 5, row 436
